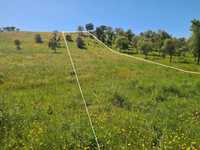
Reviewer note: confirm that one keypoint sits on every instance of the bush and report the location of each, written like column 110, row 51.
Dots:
column 17, row 44
column 1, row 78
column 80, row 43
column 69, row 38
column 120, row 101
column 38, row 39
column 168, row 92
column 54, row 42
column 122, row 43
column 145, row 46
column 89, row 27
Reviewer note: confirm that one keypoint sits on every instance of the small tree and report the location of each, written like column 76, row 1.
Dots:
column 38, row 39
column 80, row 30
column 130, row 35
column 69, row 38
column 17, row 44
column 80, row 43
column 89, row 27
column 169, row 48
column 196, row 38
column 54, row 42
column 145, row 46
column 122, row 43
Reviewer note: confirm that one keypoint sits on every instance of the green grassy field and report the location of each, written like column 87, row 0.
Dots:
column 133, row 105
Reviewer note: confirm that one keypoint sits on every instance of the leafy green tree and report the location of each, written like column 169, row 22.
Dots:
column 89, row 27
column 100, row 33
column 130, row 35
column 122, row 43
column 195, row 28
column 17, row 44
column 80, row 42
column 109, row 36
column 181, row 46
column 145, row 46
column 162, row 36
column 191, row 47
column 169, row 48
column 38, row 39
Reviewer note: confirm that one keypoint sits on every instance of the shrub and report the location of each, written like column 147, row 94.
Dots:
column 1, row 78
column 120, row 101
column 38, row 39
column 169, row 48
column 69, row 38
column 89, row 27
column 145, row 46
column 122, row 43
column 54, row 42
column 17, row 44
column 169, row 91
column 80, row 43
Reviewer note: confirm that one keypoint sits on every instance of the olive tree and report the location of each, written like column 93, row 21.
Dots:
column 38, row 39
column 17, row 44
column 80, row 42
column 195, row 28
column 89, row 27
column 169, row 48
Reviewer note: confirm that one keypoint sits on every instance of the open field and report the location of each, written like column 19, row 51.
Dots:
column 133, row 105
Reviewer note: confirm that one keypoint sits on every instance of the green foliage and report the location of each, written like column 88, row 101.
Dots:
column 196, row 38
column 169, row 47
column 130, row 35
column 1, row 78
column 69, row 38
column 120, row 101
column 38, row 39
column 54, row 42
column 80, row 43
column 18, row 44
column 122, row 43
column 145, row 46
column 89, row 27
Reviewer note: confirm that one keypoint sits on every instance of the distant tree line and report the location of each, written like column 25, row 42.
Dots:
column 9, row 29
column 157, row 43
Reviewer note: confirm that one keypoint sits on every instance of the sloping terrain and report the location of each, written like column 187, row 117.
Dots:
column 133, row 105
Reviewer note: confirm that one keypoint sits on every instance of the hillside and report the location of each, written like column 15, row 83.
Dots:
column 133, row 104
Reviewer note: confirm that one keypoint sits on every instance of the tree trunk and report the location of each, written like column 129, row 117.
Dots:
column 198, row 60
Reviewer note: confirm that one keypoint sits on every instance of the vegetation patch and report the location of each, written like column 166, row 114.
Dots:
column 120, row 101
column 1, row 78
column 169, row 92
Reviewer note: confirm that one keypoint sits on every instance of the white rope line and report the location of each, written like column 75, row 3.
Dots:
column 81, row 91
column 141, row 59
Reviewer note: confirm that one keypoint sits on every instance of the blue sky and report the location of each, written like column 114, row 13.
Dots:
column 173, row 16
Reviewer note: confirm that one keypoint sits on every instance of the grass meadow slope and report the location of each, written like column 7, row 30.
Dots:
column 133, row 105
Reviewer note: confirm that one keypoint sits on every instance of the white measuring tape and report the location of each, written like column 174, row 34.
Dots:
column 81, row 91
